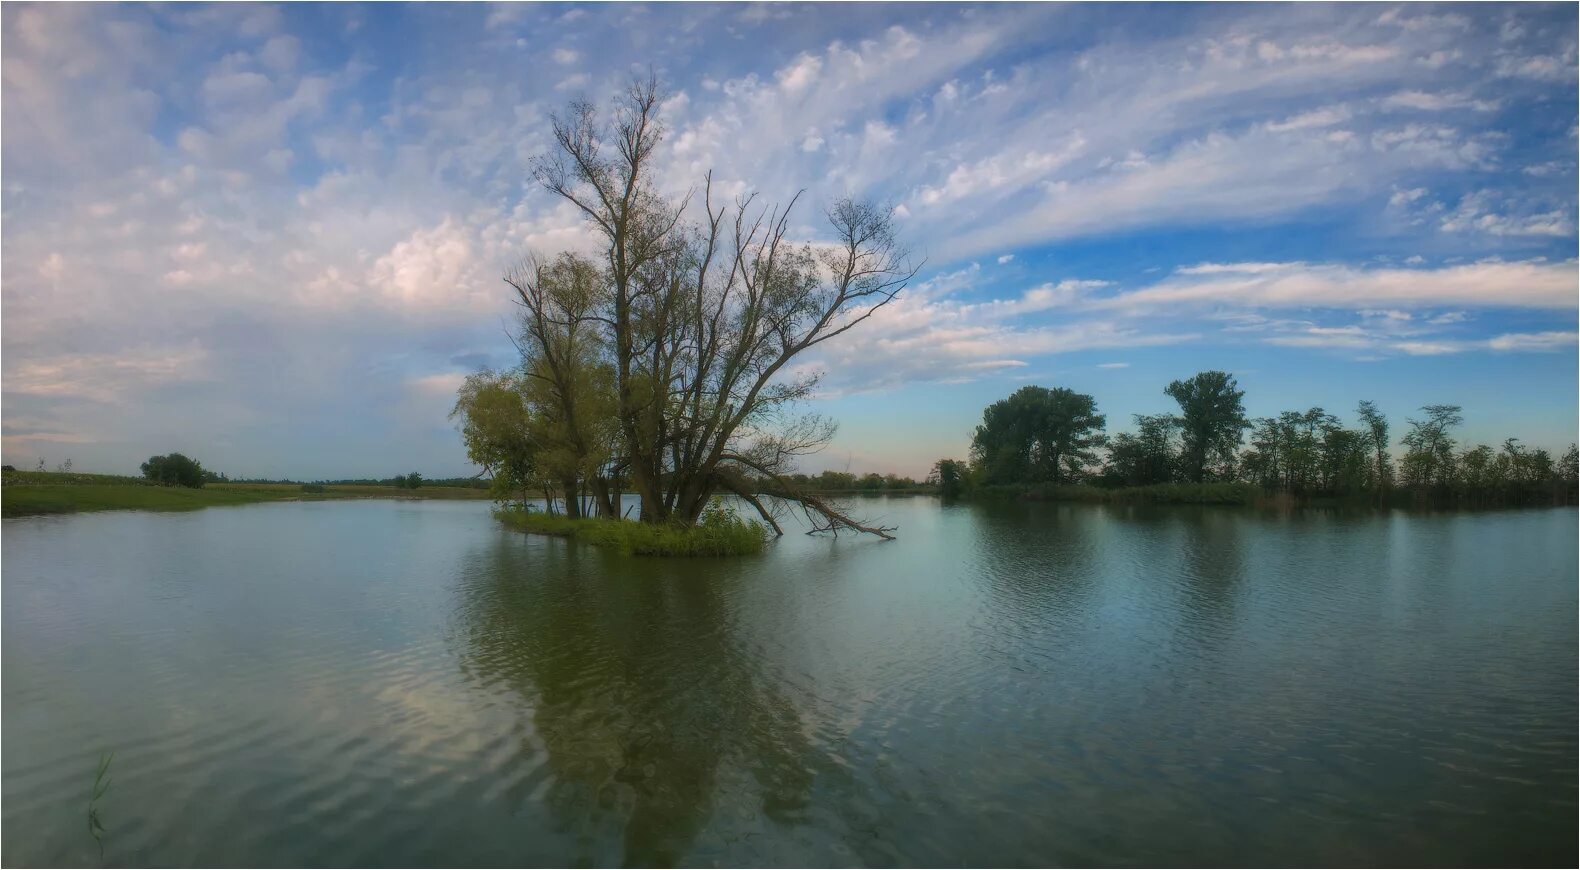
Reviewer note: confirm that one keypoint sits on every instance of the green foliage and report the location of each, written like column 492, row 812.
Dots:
column 75, row 478
column 1304, row 452
column 1038, row 435
column 1374, row 431
column 1568, row 468
column 1294, row 455
column 1429, row 450
column 718, row 532
column 1512, row 475
column 174, row 470
column 1212, row 419
column 1147, row 457
column 313, row 488
column 497, row 431
column 952, row 477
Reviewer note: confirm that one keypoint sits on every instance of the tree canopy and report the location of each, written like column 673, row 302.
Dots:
column 1148, row 456
column 662, row 364
column 1039, row 435
column 174, row 470
column 1050, row 436
column 1212, row 420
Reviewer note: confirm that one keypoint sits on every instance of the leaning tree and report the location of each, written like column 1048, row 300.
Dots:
column 666, row 357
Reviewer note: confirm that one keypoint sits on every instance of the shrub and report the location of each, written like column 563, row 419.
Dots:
column 174, row 470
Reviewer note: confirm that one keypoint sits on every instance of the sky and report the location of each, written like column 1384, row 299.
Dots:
column 273, row 238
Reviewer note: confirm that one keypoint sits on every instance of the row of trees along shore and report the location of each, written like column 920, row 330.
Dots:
column 1041, row 441
column 662, row 364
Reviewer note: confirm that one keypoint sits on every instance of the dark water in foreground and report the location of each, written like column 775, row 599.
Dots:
column 406, row 683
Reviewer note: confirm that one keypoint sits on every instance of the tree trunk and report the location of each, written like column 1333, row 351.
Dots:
column 573, row 507
column 604, row 507
column 647, row 488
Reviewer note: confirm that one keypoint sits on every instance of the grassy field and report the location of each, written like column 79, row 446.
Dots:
column 720, row 535
column 28, row 493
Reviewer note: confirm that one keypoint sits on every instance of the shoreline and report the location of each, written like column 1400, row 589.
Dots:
column 28, row 494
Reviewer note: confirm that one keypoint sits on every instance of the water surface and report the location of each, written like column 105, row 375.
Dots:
column 405, row 683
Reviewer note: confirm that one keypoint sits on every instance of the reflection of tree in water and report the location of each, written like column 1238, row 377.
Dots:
column 639, row 690
column 1214, row 564
column 1045, row 553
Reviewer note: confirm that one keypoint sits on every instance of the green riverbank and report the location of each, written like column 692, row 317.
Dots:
column 32, row 493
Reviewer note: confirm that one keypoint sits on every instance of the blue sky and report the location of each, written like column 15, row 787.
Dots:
column 272, row 237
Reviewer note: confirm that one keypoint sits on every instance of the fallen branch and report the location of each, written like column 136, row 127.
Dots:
column 746, row 493
column 822, row 516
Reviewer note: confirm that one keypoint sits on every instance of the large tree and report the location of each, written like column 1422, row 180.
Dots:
column 951, row 476
column 678, row 336
column 1212, row 421
column 1039, row 435
column 568, row 384
column 1375, row 431
column 1429, row 449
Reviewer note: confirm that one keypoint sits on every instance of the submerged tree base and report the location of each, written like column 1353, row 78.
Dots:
column 717, row 535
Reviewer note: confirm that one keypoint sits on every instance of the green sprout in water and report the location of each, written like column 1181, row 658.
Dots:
column 100, row 785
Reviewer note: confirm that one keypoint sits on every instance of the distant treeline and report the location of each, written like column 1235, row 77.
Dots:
column 399, row 481
column 844, row 481
column 1049, row 439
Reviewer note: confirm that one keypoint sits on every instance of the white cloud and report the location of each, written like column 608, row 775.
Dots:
column 1483, row 212
column 1428, row 348
column 1040, row 298
column 1405, row 197
column 1533, row 284
column 433, row 268
column 105, row 377
column 1438, row 102
column 1324, row 117
column 1533, row 341
column 573, row 82
column 442, row 384
column 1541, row 67
column 281, row 52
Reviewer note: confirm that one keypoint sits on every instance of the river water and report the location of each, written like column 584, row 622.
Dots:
column 385, row 682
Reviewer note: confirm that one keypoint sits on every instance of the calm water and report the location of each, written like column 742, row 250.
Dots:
column 406, row 683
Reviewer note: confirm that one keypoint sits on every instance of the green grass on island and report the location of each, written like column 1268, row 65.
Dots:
column 29, row 493
column 719, row 533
